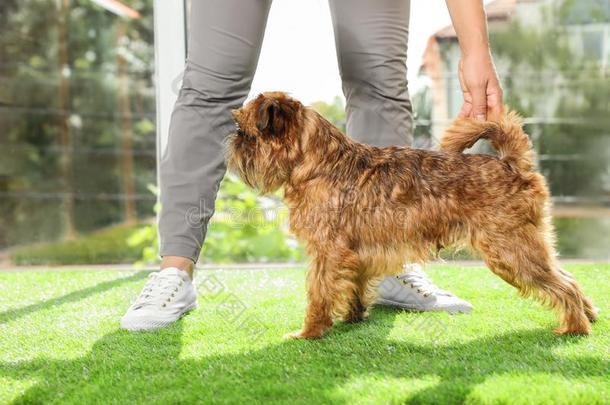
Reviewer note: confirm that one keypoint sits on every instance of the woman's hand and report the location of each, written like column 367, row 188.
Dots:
column 480, row 86
column 478, row 77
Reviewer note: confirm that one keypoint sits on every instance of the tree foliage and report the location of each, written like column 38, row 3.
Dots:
column 42, row 96
column 549, row 74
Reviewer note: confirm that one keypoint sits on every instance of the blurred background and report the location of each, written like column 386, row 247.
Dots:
column 84, row 107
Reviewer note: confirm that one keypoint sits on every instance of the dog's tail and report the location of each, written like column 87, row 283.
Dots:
column 506, row 136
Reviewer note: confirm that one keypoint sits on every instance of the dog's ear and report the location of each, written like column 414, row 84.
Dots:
column 267, row 113
column 272, row 115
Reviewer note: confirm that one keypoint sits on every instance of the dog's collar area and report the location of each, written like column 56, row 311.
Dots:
column 238, row 130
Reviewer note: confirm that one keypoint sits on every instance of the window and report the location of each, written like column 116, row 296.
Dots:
column 77, row 118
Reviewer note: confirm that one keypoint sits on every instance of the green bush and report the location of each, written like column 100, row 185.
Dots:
column 247, row 236
column 246, row 227
column 583, row 237
column 249, row 227
column 108, row 246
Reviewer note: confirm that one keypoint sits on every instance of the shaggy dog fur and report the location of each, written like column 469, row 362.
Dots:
column 363, row 211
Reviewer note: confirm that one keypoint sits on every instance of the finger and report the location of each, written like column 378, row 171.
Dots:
column 479, row 102
column 495, row 112
column 466, row 110
column 495, row 105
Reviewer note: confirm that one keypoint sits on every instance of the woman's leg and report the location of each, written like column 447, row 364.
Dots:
column 371, row 38
column 224, row 44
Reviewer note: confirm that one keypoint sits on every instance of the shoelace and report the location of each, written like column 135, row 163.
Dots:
column 158, row 290
column 418, row 279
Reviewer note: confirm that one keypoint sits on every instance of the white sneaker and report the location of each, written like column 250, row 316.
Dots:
column 413, row 290
column 166, row 297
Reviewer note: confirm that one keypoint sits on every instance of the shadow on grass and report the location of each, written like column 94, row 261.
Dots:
column 17, row 313
column 147, row 367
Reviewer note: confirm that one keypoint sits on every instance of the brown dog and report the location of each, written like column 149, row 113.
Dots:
column 363, row 211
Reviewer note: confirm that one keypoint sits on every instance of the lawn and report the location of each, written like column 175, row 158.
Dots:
column 60, row 342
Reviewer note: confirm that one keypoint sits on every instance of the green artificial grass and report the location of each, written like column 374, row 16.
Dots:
column 60, row 342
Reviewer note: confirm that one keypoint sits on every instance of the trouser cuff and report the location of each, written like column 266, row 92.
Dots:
column 178, row 249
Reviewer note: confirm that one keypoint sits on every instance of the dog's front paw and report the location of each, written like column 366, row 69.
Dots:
column 355, row 317
column 302, row 335
column 574, row 331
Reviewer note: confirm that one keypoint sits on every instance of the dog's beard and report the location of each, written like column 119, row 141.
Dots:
column 240, row 160
column 256, row 168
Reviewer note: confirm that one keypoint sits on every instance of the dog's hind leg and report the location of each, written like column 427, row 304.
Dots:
column 524, row 259
column 590, row 310
column 331, row 286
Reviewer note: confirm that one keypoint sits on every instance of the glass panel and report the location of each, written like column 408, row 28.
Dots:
column 585, row 11
column 77, row 127
column 593, row 43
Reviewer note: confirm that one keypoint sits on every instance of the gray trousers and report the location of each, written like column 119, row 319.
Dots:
column 224, row 44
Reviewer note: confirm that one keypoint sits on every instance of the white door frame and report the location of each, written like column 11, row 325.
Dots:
column 170, row 56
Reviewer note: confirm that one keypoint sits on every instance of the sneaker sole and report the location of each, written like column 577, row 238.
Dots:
column 156, row 325
column 451, row 310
